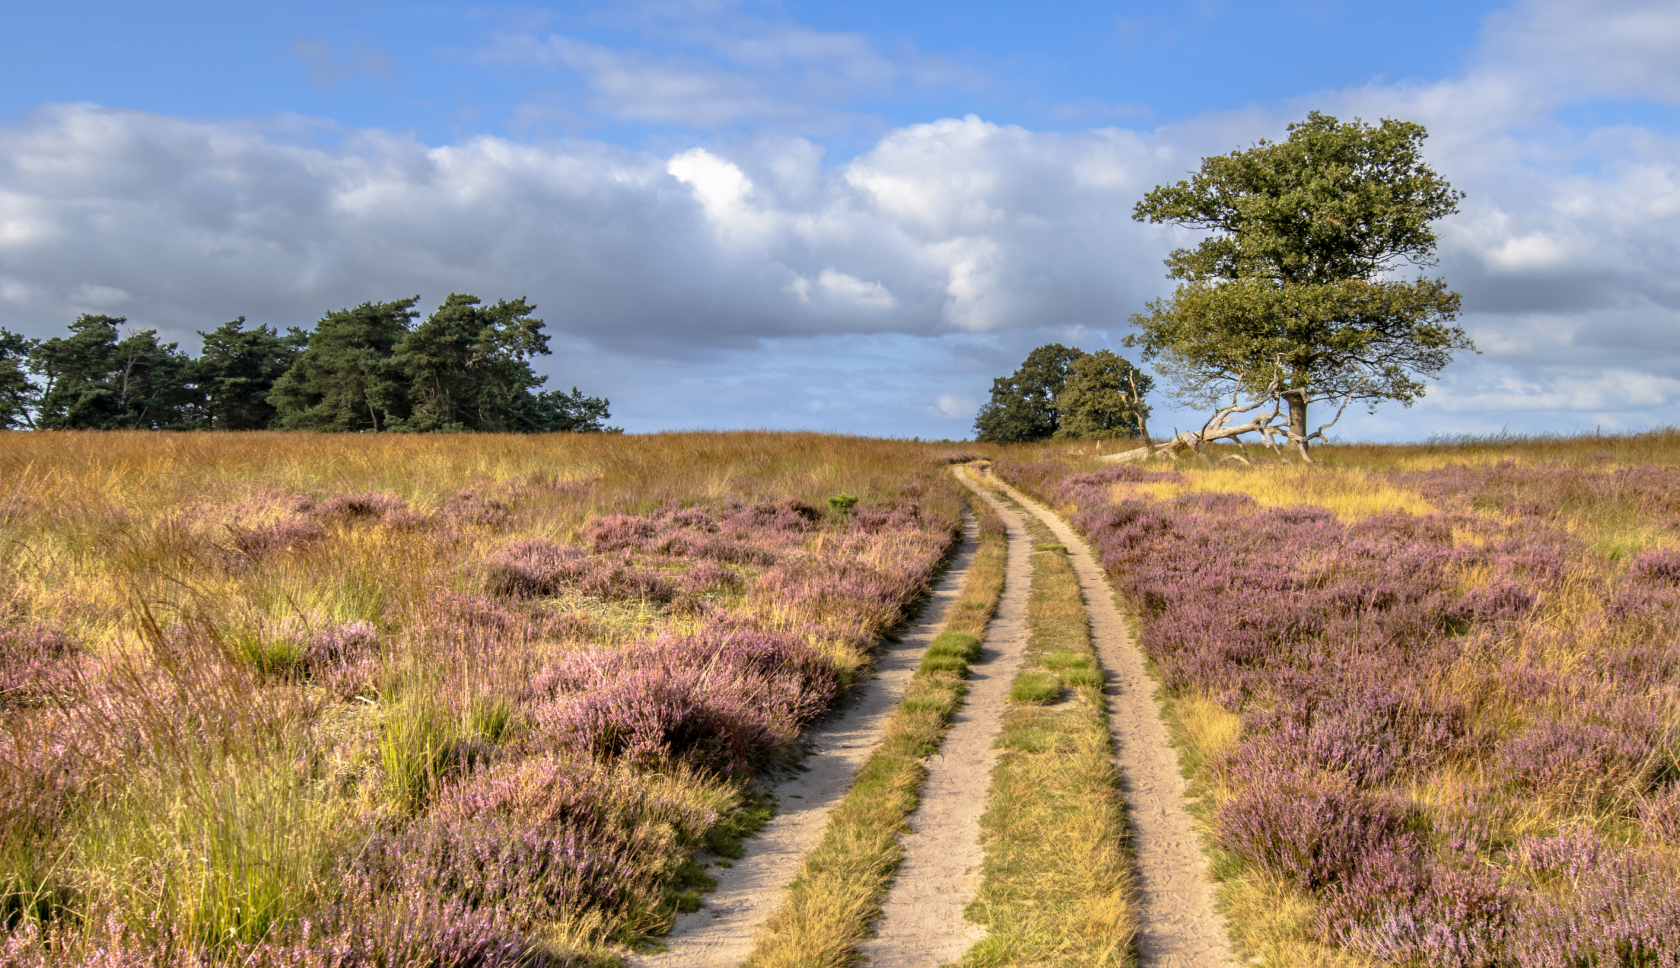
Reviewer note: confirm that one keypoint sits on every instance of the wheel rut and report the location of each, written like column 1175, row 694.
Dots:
column 1178, row 924
column 720, row 934
column 922, row 922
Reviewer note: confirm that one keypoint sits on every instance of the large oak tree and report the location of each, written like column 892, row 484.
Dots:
column 1300, row 288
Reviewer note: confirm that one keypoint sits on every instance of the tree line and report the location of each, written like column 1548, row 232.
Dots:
column 466, row 367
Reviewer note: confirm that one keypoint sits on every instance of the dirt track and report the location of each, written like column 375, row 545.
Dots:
column 720, row 934
column 922, row 920
column 1178, row 926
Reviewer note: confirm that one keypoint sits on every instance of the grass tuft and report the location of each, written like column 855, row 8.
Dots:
column 1036, row 687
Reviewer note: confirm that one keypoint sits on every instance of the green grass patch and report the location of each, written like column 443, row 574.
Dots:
column 1056, row 887
column 1036, row 687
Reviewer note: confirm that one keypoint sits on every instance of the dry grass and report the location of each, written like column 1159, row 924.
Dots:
column 1057, row 881
column 1272, row 924
column 1351, row 494
column 843, row 881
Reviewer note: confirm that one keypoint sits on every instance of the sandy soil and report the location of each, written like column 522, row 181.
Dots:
column 1178, row 926
column 922, row 922
column 720, row 934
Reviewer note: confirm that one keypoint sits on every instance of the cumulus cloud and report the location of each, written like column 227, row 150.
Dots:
column 1610, row 48
column 958, row 225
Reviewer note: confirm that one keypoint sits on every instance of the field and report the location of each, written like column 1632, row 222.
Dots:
column 1428, row 696
column 300, row 699
column 317, row 700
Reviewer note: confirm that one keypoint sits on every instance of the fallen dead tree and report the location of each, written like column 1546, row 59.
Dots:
column 1235, row 420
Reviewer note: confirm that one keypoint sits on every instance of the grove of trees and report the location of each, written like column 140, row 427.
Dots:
column 371, row 368
column 1060, row 391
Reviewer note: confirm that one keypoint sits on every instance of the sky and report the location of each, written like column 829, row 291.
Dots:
column 845, row 216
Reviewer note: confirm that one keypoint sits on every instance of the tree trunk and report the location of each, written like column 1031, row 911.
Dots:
column 1298, row 420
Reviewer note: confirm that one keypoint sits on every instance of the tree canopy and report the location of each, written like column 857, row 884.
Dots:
column 1296, row 289
column 1059, row 391
column 369, row 368
column 237, row 369
column 1102, row 398
column 96, row 379
column 467, row 367
column 346, row 379
column 18, row 393
column 1022, row 406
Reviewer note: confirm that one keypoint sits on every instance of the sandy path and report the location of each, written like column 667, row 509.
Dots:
column 1178, row 926
column 720, row 934
column 922, row 922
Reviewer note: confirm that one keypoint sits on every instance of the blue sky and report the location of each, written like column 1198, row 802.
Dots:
column 444, row 71
column 846, row 216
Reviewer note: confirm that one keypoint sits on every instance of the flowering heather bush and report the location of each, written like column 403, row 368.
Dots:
column 787, row 514
column 472, row 507
column 1624, row 912
column 535, row 840
column 413, row 931
column 543, row 568
column 281, row 536
column 724, row 702
column 1399, row 910
column 1659, row 815
column 1374, row 659
column 419, row 929
column 1587, row 759
column 528, row 871
column 1314, row 829
column 480, row 622
column 706, row 576
column 621, row 531
column 359, row 507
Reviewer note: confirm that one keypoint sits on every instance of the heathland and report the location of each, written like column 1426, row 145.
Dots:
column 297, row 699
column 310, row 699
column 1428, row 696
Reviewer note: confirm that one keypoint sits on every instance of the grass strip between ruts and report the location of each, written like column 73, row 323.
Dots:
column 1057, row 881
column 842, row 883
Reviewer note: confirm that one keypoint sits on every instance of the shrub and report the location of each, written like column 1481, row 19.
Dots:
column 721, row 701
column 1311, row 828
column 543, row 568
column 37, row 662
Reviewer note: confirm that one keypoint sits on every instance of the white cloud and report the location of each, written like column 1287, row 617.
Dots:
column 719, row 185
column 839, row 289
column 99, row 297
column 983, row 229
column 1608, row 48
